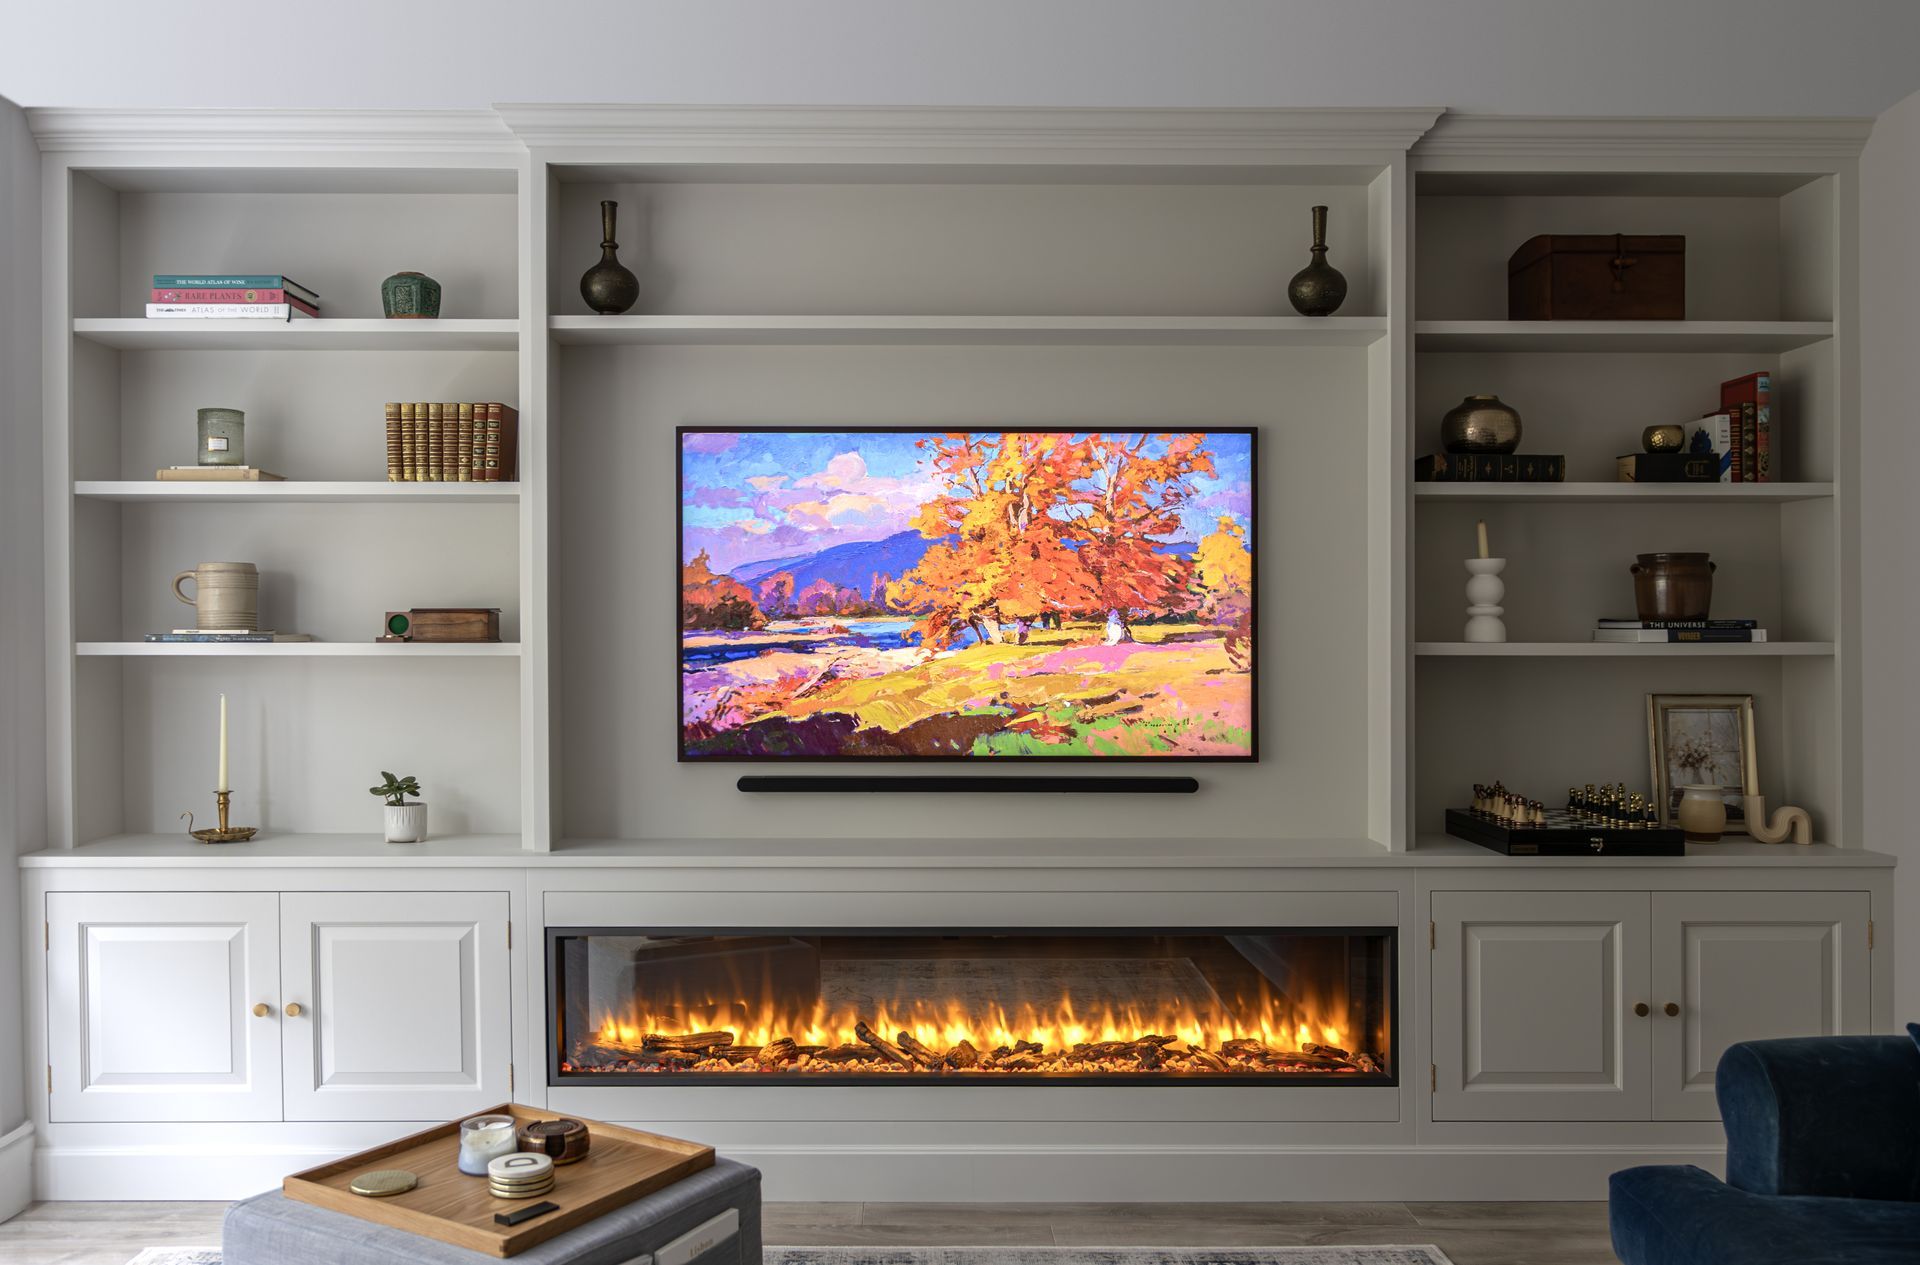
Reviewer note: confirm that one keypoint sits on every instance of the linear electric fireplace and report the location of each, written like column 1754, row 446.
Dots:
column 1220, row 1006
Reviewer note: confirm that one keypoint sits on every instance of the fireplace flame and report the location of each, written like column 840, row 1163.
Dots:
column 1059, row 1027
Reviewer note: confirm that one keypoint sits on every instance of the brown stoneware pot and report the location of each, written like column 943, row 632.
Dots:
column 1673, row 585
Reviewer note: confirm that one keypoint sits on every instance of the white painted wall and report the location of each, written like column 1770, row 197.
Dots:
column 1723, row 57
column 1890, row 517
column 22, row 698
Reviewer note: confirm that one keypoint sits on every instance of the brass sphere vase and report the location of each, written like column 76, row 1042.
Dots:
column 1480, row 423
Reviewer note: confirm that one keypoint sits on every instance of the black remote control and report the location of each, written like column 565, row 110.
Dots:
column 528, row 1213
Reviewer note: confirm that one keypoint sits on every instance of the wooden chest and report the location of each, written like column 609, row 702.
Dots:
column 1604, row 277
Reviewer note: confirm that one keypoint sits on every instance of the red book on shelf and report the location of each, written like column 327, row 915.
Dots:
column 178, row 295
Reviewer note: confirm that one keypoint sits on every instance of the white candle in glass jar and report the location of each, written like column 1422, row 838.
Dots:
column 484, row 1139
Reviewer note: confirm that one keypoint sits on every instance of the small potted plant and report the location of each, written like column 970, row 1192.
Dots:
column 406, row 823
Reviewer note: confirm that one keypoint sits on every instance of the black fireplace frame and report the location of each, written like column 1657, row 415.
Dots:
column 555, row 1007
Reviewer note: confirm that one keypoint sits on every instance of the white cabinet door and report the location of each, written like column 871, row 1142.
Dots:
column 404, row 1004
column 1533, row 996
column 149, row 1006
column 1739, row 966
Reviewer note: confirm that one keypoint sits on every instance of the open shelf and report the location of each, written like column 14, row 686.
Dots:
column 295, row 492
column 138, row 333
column 301, row 649
column 1758, row 338
column 1627, row 493
column 1286, row 331
column 1620, row 649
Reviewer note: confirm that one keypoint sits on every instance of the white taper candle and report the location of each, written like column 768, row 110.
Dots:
column 223, row 746
column 1483, row 539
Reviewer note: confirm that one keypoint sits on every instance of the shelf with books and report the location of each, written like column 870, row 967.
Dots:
column 301, row 649
column 295, row 492
column 1599, row 493
column 1295, row 331
column 322, row 334
column 1615, row 650
column 1757, row 338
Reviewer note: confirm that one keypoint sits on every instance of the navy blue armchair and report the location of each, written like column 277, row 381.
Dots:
column 1823, row 1163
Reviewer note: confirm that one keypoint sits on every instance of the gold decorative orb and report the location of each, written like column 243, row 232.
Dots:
column 1663, row 439
column 1480, row 423
column 383, row 1182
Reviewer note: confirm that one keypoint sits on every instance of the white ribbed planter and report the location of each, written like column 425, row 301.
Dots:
column 406, row 823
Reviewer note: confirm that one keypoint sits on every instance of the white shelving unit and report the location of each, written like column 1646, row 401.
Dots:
column 1768, row 219
column 794, row 273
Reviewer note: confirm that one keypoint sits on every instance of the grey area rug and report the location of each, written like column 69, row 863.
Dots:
column 1406, row 1254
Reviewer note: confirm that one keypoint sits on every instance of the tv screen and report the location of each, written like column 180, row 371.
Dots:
column 1025, row 594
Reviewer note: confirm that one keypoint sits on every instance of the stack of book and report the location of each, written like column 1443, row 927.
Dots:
column 1490, row 467
column 195, row 637
column 1678, row 630
column 452, row 443
column 1733, row 444
column 230, row 296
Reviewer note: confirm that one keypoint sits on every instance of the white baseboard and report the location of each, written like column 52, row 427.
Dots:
column 16, row 1171
column 979, row 1174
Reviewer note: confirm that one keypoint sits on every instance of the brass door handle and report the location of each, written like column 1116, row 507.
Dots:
column 293, row 1010
column 1642, row 1009
column 261, row 1010
column 1672, row 1008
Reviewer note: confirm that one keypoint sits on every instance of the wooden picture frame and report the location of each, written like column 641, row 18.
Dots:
column 1713, row 736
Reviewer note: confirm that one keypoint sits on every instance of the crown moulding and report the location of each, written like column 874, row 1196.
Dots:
column 1498, row 135
column 944, row 129
column 225, row 131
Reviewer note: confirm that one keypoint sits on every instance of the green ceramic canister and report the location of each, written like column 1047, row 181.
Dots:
column 223, row 437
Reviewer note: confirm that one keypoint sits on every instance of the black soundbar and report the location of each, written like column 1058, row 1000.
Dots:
column 1051, row 784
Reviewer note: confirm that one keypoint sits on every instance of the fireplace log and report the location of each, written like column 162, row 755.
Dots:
column 916, row 1050
column 1367, row 1063
column 783, row 1050
column 1208, row 1059
column 887, row 1049
column 738, row 1053
column 962, row 1056
column 843, row 1054
column 1326, row 1051
column 1028, row 1047
column 686, row 1041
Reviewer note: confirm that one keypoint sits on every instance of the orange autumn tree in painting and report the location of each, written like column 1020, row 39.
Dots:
column 1059, row 594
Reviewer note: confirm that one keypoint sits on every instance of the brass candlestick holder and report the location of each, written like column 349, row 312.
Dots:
column 223, row 833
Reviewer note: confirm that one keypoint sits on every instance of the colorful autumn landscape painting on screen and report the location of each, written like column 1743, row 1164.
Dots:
column 877, row 594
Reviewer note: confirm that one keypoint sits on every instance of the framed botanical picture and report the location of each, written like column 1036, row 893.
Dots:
column 1702, row 740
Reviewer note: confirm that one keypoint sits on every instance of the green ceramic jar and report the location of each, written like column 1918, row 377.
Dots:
column 410, row 296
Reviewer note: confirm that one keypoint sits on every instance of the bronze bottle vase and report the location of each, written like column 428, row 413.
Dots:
column 608, row 287
column 1670, row 586
column 1318, row 289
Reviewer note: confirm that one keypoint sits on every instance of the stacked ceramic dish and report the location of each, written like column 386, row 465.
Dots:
column 520, row 1176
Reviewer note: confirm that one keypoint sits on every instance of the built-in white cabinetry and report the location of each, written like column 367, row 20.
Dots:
column 404, row 1003
column 150, row 1001
column 1616, row 1005
column 262, row 1006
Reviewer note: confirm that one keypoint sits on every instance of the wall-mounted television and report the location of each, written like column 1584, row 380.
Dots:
column 1019, row 593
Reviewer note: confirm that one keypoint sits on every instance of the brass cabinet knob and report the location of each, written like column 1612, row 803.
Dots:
column 1642, row 1009
column 261, row 1010
column 1672, row 1008
column 293, row 1010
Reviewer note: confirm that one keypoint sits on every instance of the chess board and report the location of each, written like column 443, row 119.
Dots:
column 1565, row 834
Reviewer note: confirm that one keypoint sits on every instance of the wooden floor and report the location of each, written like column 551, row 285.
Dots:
column 1470, row 1233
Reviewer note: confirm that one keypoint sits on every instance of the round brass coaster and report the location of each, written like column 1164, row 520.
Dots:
column 520, row 1167
column 529, row 1192
column 382, row 1182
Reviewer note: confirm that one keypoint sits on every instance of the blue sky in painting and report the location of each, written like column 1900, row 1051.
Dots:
column 748, row 496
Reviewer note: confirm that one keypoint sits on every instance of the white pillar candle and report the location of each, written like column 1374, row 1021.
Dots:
column 223, row 746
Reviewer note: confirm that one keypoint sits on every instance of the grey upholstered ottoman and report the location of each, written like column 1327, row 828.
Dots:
column 271, row 1229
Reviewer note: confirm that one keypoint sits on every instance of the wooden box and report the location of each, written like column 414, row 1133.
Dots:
column 1604, row 277
column 444, row 623
column 621, row 1166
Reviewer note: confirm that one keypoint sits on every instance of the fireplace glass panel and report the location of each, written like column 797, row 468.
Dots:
column 1230, row 1006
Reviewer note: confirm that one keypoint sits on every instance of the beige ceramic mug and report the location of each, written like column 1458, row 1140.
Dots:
column 226, row 596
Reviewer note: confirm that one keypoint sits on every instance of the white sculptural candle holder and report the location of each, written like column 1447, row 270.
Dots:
column 1485, row 589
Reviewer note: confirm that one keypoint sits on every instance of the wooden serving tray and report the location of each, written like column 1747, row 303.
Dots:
column 621, row 1166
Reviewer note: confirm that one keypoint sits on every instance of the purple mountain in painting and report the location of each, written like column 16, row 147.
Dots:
column 852, row 565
